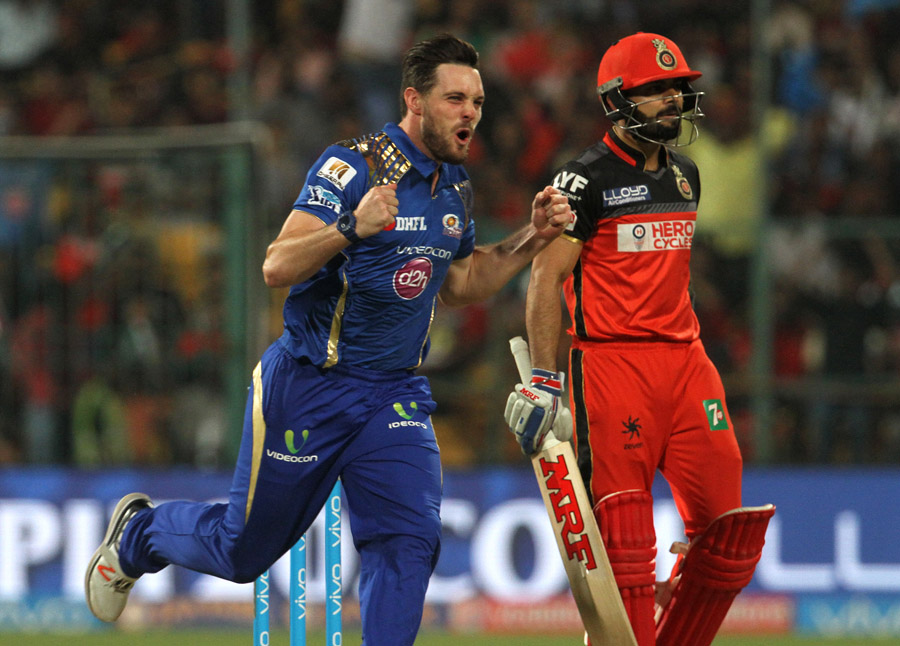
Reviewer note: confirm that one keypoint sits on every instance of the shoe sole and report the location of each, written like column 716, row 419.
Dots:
column 115, row 525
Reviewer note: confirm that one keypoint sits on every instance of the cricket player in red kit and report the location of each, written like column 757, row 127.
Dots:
column 644, row 395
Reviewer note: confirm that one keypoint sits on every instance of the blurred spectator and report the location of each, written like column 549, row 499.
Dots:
column 733, row 157
column 372, row 38
column 35, row 344
column 99, row 429
column 7, row 112
column 892, row 102
column 323, row 71
column 840, row 420
column 7, row 385
column 792, row 37
column 53, row 103
column 28, row 28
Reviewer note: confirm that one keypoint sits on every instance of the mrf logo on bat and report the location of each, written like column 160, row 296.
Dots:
column 567, row 512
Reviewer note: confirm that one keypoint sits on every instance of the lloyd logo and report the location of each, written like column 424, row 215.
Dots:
column 567, row 512
column 626, row 195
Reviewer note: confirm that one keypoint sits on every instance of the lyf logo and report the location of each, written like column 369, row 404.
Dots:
column 412, row 278
column 569, row 181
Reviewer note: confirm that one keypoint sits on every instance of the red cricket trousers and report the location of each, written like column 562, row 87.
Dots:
column 639, row 407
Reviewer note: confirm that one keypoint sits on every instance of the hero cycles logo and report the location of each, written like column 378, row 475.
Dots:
column 570, row 522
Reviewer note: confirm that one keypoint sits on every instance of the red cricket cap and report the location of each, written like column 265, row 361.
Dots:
column 642, row 58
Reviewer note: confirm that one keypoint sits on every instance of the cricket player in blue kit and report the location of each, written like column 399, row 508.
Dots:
column 381, row 232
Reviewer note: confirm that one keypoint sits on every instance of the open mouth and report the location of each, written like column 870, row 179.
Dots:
column 463, row 135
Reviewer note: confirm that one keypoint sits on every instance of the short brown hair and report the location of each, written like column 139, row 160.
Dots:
column 423, row 58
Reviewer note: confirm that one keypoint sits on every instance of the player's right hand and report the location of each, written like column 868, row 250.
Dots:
column 377, row 210
column 551, row 212
column 531, row 410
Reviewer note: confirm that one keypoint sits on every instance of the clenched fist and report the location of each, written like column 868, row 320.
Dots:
column 376, row 210
column 550, row 212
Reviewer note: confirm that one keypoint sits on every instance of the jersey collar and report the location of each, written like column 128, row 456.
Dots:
column 631, row 155
column 419, row 160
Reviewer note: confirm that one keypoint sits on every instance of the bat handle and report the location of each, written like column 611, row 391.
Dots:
column 519, row 348
column 549, row 441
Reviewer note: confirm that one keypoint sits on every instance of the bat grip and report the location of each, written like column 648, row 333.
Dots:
column 519, row 348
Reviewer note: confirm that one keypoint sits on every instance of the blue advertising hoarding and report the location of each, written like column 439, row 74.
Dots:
column 832, row 548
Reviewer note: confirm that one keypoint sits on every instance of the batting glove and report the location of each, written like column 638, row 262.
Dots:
column 562, row 427
column 531, row 410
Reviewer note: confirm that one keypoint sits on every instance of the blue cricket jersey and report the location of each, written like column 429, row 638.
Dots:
column 372, row 305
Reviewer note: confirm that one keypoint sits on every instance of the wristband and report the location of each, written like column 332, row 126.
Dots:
column 546, row 380
column 346, row 224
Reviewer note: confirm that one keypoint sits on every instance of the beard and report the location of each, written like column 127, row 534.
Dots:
column 656, row 130
column 442, row 148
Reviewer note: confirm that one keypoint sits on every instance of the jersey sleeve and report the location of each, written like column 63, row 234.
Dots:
column 690, row 168
column 336, row 182
column 573, row 181
column 467, row 239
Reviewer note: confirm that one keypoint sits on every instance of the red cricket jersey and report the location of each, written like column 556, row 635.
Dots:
column 632, row 280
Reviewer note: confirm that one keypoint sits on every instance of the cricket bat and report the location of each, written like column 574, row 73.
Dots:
column 577, row 535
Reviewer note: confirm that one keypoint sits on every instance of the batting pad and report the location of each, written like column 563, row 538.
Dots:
column 626, row 525
column 718, row 565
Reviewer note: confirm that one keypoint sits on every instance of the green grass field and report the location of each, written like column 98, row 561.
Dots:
column 242, row 638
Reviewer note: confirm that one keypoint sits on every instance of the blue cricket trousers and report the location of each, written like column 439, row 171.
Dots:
column 304, row 428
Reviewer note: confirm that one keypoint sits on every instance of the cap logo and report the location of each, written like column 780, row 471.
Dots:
column 664, row 57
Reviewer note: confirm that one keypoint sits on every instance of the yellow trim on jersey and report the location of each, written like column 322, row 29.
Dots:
column 427, row 333
column 259, row 436
column 337, row 319
column 566, row 236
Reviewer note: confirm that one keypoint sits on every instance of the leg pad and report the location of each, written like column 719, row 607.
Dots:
column 626, row 524
column 718, row 565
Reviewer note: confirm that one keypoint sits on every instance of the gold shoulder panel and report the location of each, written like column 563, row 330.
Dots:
column 386, row 163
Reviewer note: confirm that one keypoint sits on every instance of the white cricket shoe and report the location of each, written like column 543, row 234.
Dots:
column 105, row 586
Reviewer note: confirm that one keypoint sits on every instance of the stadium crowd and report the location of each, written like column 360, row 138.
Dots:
column 99, row 338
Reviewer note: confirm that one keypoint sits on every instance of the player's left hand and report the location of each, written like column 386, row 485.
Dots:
column 531, row 410
column 551, row 212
